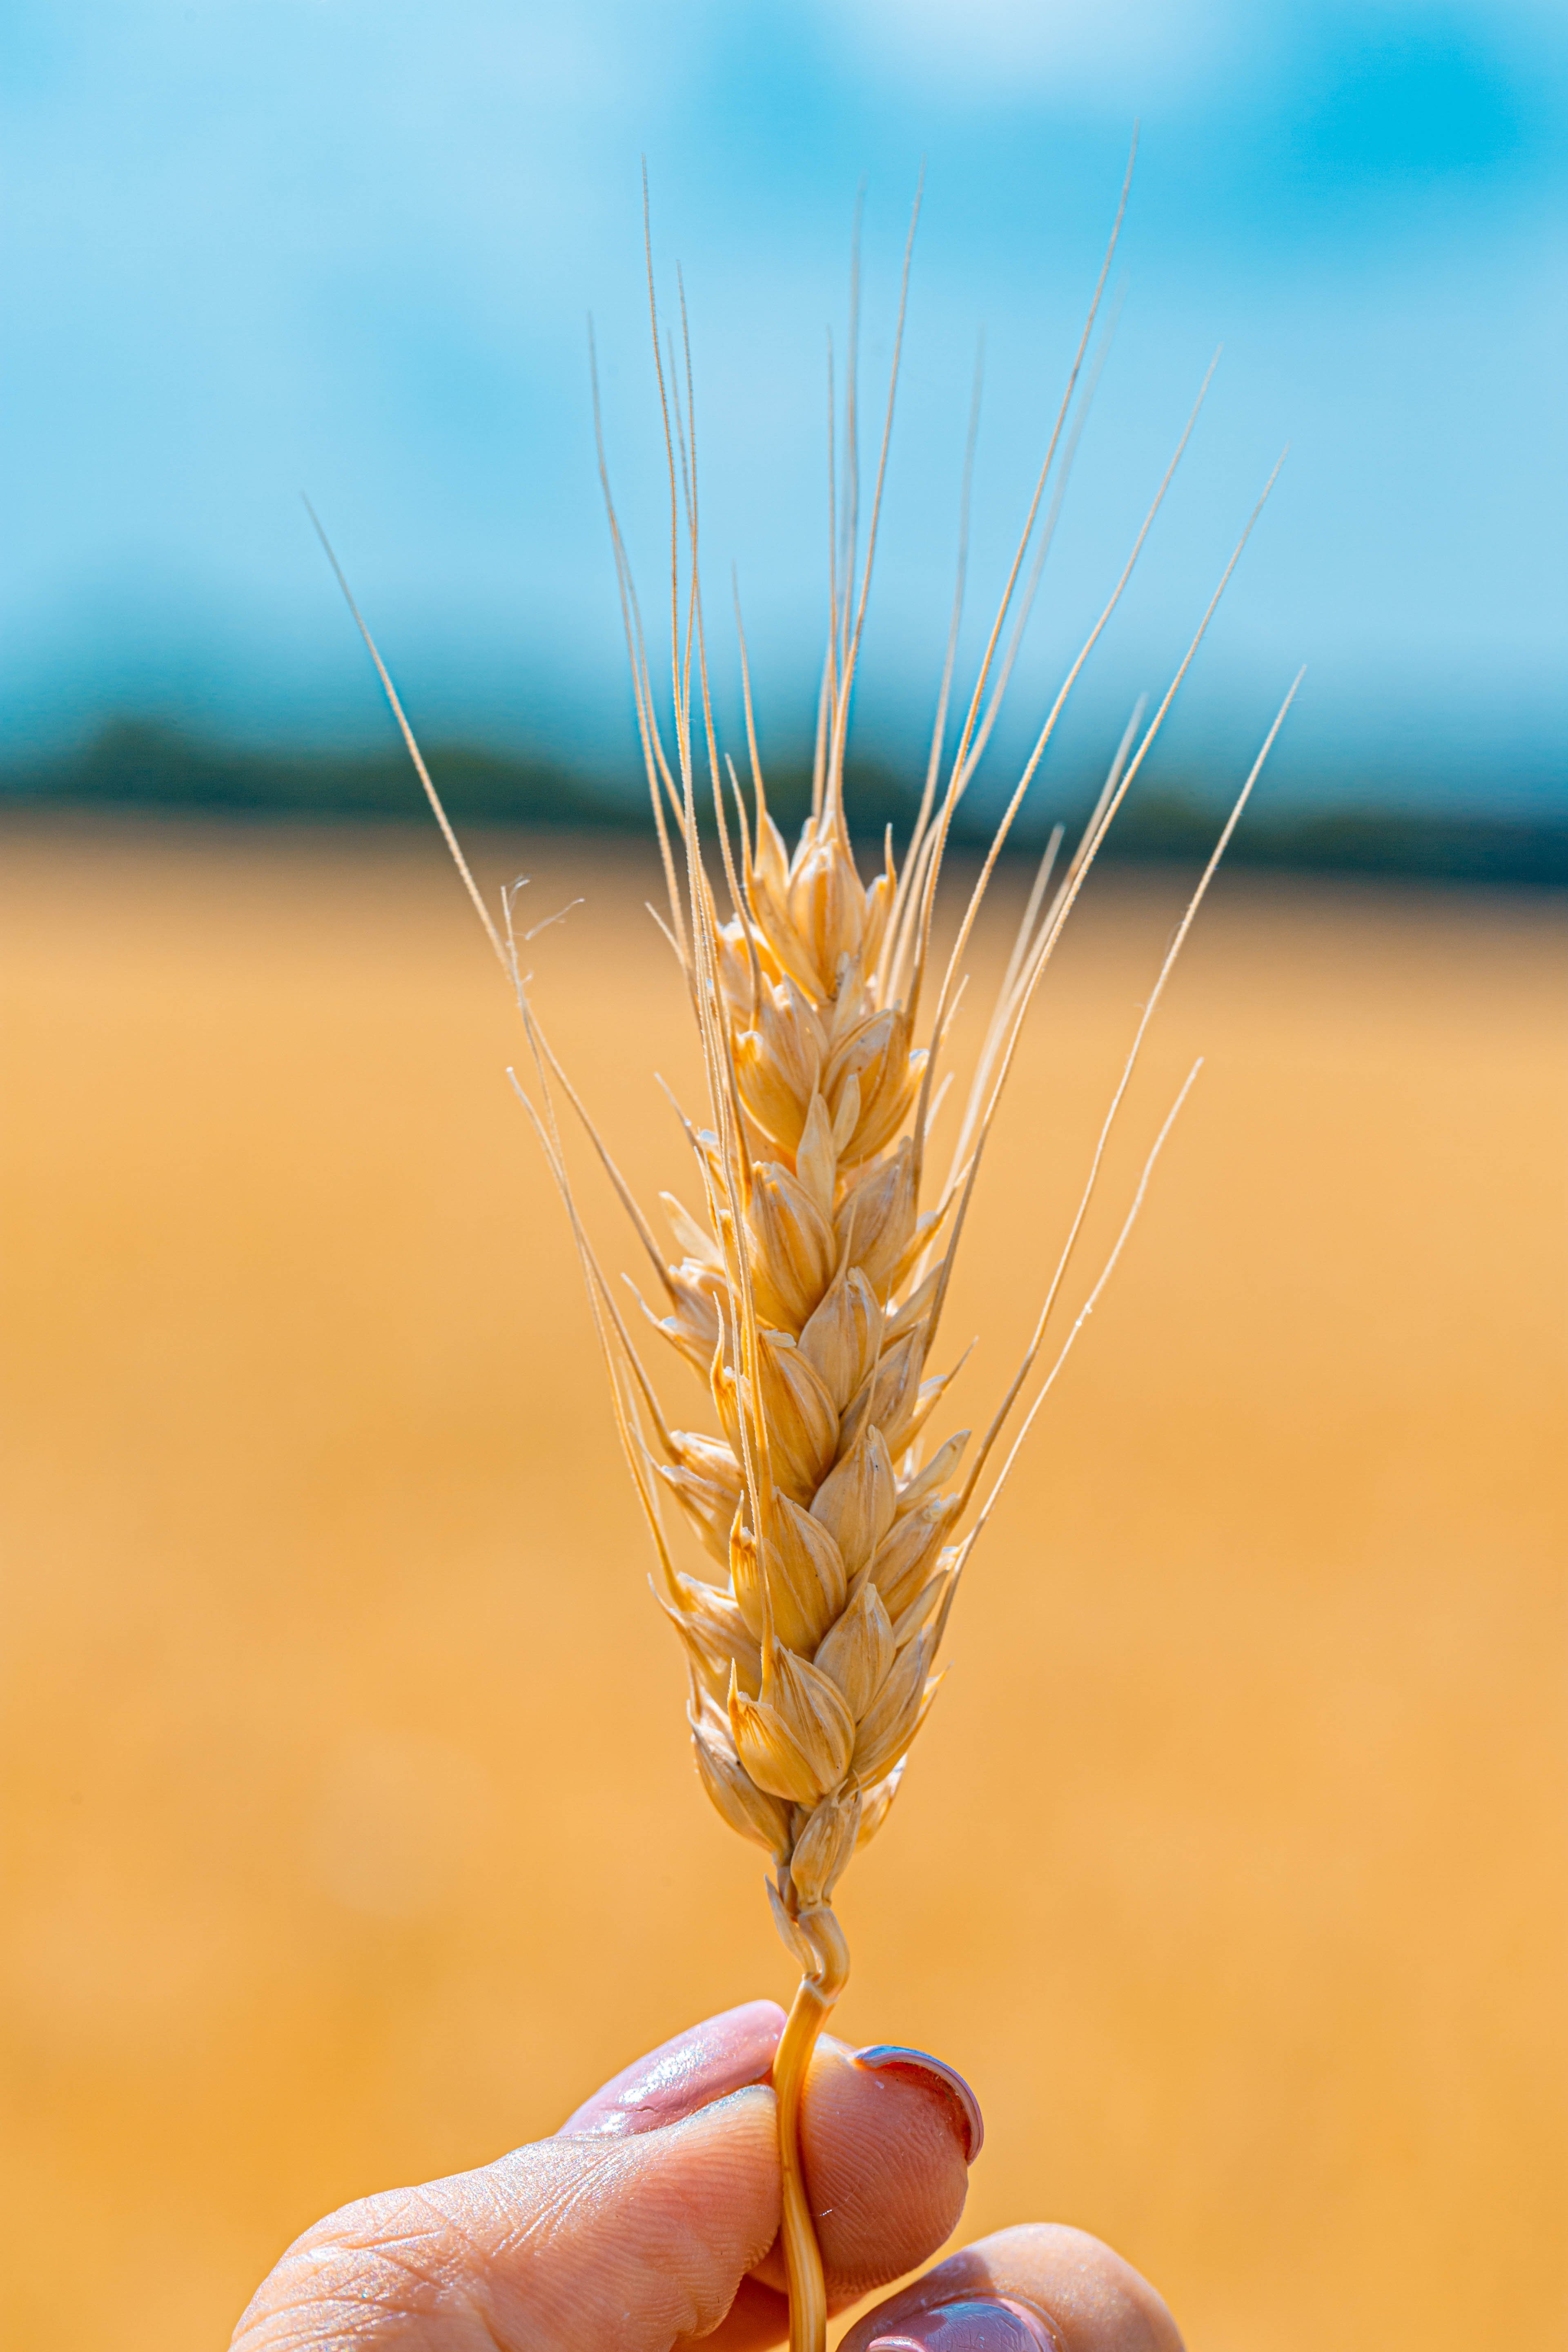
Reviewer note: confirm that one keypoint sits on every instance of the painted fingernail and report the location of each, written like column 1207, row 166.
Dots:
column 917, row 2066
column 704, row 2063
column 981, row 2326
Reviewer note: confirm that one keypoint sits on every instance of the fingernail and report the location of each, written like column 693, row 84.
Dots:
column 704, row 2063
column 981, row 2326
column 891, row 2057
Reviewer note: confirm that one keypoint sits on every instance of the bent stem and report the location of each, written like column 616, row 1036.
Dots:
column 810, row 2011
column 803, row 2255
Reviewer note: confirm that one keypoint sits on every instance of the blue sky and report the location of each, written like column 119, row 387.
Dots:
column 255, row 247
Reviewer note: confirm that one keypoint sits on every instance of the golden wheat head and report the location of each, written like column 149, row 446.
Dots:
column 804, row 1288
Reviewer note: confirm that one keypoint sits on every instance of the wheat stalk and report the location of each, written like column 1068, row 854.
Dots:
column 806, row 1290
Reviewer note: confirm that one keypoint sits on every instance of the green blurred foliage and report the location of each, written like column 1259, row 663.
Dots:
column 144, row 764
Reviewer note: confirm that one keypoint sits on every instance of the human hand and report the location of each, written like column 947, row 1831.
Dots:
column 648, row 2222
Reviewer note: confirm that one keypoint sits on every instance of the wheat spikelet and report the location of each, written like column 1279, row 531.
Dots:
column 803, row 1288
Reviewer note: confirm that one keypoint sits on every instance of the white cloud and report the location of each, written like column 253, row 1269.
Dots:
column 1126, row 54
column 1103, row 51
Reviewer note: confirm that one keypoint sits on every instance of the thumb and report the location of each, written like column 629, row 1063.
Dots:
column 563, row 2245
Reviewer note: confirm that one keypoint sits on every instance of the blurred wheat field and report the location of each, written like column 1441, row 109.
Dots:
column 351, row 1832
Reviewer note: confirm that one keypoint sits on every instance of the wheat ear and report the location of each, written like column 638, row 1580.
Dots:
column 806, row 1293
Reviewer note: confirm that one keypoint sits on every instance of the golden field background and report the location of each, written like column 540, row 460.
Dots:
column 351, row 1835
